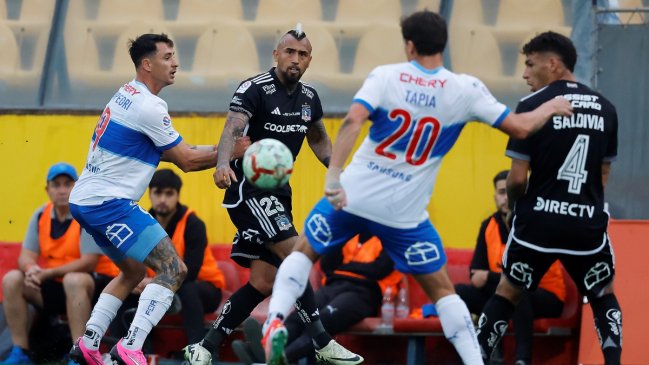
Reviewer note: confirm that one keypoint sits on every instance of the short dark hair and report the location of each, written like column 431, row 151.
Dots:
column 427, row 30
column 145, row 45
column 165, row 178
column 500, row 176
column 556, row 43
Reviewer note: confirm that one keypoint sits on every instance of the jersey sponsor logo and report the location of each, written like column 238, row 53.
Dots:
column 373, row 166
column 422, row 253
column 579, row 120
column 563, row 208
column 236, row 100
column 319, row 229
column 583, row 101
column 307, row 92
column 92, row 168
column 243, row 87
column 130, row 89
column 522, row 273
column 420, row 99
column 597, row 274
column 269, row 89
column 306, row 113
column 421, row 81
column 118, row 233
column 122, row 101
column 283, row 223
column 288, row 128
column 276, row 111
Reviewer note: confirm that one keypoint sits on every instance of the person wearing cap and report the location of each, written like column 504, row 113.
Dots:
column 54, row 267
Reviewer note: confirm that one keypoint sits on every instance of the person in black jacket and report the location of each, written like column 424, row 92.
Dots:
column 355, row 276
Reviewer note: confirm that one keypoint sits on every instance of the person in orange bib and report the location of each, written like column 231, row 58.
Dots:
column 486, row 267
column 200, row 293
column 54, row 268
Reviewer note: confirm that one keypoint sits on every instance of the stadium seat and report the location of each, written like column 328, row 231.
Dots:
column 288, row 11
column 466, row 13
column 209, row 10
column 3, row 10
column 380, row 45
column 432, row 5
column 474, row 51
column 127, row 11
column 517, row 13
column 225, row 54
column 356, row 17
column 325, row 62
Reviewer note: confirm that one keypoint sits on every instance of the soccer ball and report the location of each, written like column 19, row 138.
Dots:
column 268, row 163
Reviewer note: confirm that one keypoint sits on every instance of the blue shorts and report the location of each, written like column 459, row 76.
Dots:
column 414, row 250
column 120, row 228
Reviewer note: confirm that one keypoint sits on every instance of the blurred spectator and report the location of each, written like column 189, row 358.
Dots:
column 54, row 268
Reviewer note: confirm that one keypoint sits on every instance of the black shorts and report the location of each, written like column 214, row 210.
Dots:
column 591, row 272
column 261, row 220
column 53, row 297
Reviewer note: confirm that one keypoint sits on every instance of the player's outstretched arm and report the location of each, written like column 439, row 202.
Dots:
column 191, row 158
column 523, row 125
column 235, row 124
column 319, row 142
column 347, row 136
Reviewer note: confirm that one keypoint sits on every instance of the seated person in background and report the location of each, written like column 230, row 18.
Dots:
column 63, row 284
column 200, row 293
column 486, row 267
column 356, row 275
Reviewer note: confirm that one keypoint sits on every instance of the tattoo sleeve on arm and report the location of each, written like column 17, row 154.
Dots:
column 319, row 142
column 235, row 124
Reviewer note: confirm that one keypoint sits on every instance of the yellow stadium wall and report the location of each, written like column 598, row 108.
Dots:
column 29, row 144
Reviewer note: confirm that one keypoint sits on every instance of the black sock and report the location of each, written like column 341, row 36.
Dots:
column 308, row 313
column 493, row 323
column 608, row 322
column 235, row 311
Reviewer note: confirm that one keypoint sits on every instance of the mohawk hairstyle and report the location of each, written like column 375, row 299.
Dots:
column 297, row 32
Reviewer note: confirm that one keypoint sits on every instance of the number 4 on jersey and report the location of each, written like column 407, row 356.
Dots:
column 574, row 166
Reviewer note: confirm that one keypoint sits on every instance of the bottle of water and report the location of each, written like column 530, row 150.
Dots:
column 403, row 310
column 387, row 309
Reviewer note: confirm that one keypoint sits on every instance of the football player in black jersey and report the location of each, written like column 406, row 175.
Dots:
column 274, row 104
column 559, row 210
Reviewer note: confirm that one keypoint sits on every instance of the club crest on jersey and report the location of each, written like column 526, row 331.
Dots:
column 243, row 87
column 306, row 113
column 283, row 223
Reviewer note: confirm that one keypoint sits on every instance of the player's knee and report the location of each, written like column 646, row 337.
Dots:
column 12, row 280
column 76, row 281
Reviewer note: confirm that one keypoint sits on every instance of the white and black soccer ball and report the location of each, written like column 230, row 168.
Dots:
column 268, row 163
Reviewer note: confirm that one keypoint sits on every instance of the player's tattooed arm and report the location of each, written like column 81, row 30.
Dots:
column 319, row 142
column 235, row 124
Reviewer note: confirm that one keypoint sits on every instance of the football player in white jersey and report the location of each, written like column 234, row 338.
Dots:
column 417, row 110
column 132, row 135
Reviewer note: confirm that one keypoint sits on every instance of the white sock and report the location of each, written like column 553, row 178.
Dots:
column 152, row 306
column 290, row 282
column 458, row 328
column 102, row 314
